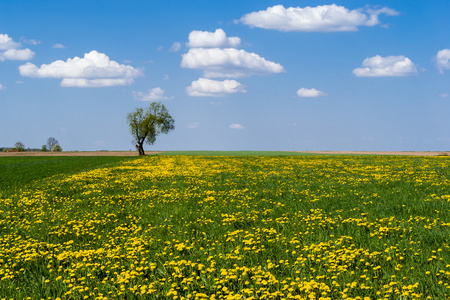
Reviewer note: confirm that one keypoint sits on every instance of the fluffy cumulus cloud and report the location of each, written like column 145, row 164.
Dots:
column 154, row 94
column 213, row 88
column 323, row 18
column 217, row 39
column 228, row 62
column 93, row 70
column 310, row 93
column 236, row 126
column 2, row 87
column 17, row 54
column 443, row 60
column 7, row 43
column 378, row 66
column 216, row 55
column 10, row 50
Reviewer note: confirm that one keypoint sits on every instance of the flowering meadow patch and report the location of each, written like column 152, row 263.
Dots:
column 209, row 227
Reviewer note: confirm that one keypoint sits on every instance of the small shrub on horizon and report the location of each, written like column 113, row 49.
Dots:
column 56, row 148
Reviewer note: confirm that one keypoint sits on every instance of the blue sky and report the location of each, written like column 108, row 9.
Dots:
column 235, row 75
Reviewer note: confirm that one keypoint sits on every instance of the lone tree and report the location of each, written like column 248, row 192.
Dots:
column 146, row 125
column 19, row 146
column 51, row 141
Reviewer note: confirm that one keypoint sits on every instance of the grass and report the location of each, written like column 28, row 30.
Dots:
column 232, row 227
column 19, row 171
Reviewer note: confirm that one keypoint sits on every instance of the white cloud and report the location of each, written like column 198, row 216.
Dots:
column 2, row 87
column 9, row 50
column 444, row 95
column 175, row 47
column 236, row 126
column 7, row 43
column 310, row 93
column 104, row 82
column 193, row 125
column 31, row 41
column 324, row 18
column 443, row 60
column 152, row 95
column 58, row 46
column 17, row 54
column 378, row 66
column 93, row 70
column 217, row 39
column 213, row 88
column 228, row 62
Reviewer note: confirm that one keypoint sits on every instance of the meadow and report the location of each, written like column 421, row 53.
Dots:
column 228, row 227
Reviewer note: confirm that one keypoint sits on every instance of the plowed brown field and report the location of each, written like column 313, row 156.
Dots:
column 135, row 153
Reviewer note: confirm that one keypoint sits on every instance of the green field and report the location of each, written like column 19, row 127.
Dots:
column 19, row 171
column 225, row 227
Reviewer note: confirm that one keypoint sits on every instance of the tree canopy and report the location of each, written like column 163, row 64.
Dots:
column 51, row 141
column 146, row 125
column 19, row 146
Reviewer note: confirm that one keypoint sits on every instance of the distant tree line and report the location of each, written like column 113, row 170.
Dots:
column 51, row 145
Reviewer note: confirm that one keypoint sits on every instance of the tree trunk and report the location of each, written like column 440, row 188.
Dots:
column 140, row 149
